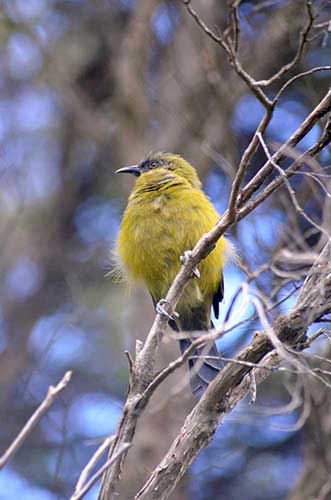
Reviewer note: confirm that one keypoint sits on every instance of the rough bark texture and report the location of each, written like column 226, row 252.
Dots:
column 200, row 425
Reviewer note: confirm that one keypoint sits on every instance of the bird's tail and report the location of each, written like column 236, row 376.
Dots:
column 204, row 365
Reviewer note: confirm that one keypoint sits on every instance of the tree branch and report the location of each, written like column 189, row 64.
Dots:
column 232, row 56
column 145, row 359
column 254, row 184
column 230, row 387
column 52, row 393
column 86, row 488
column 303, row 42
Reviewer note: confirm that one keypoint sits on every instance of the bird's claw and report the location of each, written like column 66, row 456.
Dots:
column 185, row 259
column 160, row 310
column 196, row 272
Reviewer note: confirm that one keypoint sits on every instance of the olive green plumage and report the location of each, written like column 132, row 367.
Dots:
column 166, row 215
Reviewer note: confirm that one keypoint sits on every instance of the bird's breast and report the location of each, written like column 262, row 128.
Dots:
column 150, row 241
column 156, row 230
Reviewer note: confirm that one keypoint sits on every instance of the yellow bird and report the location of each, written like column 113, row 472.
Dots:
column 167, row 213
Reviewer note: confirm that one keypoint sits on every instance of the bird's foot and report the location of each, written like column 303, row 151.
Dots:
column 160, row 309
column 185, row 259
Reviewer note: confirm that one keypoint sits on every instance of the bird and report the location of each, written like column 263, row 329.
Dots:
column 166, row 215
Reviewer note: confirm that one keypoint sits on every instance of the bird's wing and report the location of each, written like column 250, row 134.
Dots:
column 218, row 297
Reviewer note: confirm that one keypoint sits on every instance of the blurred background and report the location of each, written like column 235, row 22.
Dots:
column 86, row 88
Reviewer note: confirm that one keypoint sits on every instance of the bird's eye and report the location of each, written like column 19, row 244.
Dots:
column 154, row 164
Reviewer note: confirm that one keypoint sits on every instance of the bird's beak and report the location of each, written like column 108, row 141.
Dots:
column 134, row 169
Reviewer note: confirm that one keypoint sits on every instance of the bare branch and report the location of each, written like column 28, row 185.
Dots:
column 81, row 493
column 138, row 396
column 245, row 160
column 91, row 464
column 235, row 23
column 291, row 191
column 300, row 51
column 289, row 82
column 219, row 398
column 52, row 393
column 231, row 53
column 321, row 110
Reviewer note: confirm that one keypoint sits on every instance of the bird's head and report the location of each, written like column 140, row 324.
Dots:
column 168, row 163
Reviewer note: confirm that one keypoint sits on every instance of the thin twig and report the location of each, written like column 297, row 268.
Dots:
column 298, row 76
column 291, row 191
column 81, row 493
column 92, row 463
column 235, row 24
column 232, row 58
column 245, row 160
column 300, row 50
column 52, row 393
column 255, row 183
